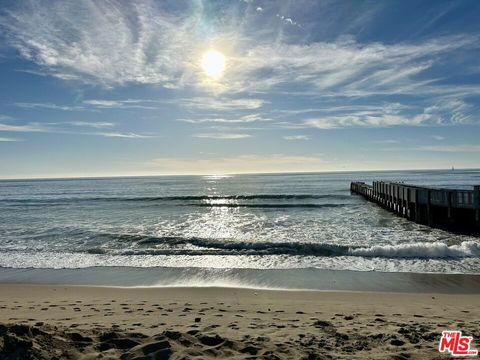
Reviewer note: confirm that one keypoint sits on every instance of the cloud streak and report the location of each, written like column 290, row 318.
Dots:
column 49, row 106
column 241, row 119
column 297, row 137
column 96, row 125
column 221, row 104
column 122, row 104
column 32, row 127
column 62, row 128
column 222, row 136
column 446, row 112
column 123, row 135
column 464, row 148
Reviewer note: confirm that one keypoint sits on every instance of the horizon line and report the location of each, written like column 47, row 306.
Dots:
column 91, row 177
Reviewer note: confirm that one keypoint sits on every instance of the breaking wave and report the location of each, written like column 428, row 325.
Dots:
column 435, row 250
column 266, row 206
column 177, row 245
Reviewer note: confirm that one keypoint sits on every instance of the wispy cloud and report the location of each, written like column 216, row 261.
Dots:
column 446, row 112
column 345, row 66
column 438, row 137
column 222, row 136
column 96, row 125
column 466, row 148
column 287, row 20
column 6, row 139
column 116, row 43
column 212, row 103
column 32, row 127
column 290, row 125
column 103, row 42
column 62, row 128
column 49, row 106
column 360, row 120
column 104, row 103
column 193, row 103
column 122, row 104
column 46, row 72
column 123, row 135
column 241, row 119
column 296, row 137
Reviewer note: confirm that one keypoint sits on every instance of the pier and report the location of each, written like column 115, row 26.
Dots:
column 451, row 209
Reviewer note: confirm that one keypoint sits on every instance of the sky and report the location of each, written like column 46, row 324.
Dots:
column 111, row 88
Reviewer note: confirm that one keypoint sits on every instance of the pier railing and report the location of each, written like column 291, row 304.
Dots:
column 456, row 209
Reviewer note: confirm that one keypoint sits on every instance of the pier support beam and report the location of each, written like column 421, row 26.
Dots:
column 417, row 208
column 429, row 210
column 449, row 209
column 476, row 205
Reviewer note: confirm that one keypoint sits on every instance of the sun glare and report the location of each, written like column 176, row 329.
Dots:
column 213, row 63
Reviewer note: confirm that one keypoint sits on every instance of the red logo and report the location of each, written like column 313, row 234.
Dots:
column 456, row 344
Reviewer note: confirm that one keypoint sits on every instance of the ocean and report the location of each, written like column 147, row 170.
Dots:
column 216, row 230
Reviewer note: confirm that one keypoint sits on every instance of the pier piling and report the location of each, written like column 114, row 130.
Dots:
column 451, row 209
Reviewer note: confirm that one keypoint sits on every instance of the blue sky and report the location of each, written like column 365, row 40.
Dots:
column 100, row 88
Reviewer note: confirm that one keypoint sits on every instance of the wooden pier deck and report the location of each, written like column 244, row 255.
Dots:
column 452, row 209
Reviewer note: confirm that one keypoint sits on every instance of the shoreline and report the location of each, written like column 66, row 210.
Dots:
column 185, row 322
column 262, row 279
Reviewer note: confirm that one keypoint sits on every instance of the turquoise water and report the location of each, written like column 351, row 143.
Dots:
column 293, row 221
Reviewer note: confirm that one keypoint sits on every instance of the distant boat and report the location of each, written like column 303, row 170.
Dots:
column 453, row 169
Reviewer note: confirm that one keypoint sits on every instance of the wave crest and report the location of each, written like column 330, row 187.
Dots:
column 178, row 245
column 423, row 250
column 186, row 198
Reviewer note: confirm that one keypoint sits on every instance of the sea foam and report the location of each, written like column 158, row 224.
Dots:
column 434, row 250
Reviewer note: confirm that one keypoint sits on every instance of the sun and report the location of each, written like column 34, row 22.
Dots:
column 213, row 63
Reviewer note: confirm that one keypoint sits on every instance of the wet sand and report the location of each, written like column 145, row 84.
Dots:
column 279, row 279
column 86, row 322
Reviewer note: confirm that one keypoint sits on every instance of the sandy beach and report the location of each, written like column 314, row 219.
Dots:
column 85, row 322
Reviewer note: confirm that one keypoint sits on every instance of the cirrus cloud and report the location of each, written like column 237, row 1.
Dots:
column 297, row 137
column 222, row 136
column 115, row 43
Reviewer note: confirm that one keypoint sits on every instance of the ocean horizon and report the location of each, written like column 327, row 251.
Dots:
column 122, row 176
